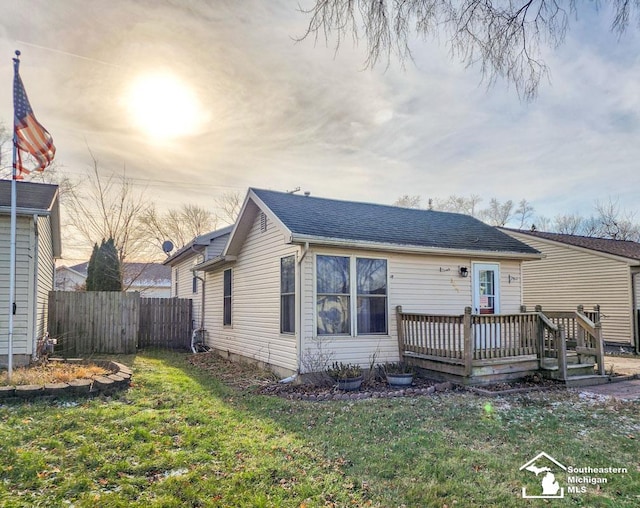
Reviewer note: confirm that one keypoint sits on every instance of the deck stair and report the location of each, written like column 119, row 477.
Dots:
column 581, row 370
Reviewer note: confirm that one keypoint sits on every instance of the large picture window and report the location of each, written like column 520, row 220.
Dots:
column 336, row 292
column 288, row 294
column 226, row 320
column 372, row 295
column 333, row 299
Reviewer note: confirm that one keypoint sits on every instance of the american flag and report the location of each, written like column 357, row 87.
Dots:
column 30, row 136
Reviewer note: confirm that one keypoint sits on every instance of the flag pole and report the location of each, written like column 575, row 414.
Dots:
column 12, row 255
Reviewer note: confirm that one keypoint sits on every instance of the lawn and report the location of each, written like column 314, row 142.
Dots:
column 182, row 437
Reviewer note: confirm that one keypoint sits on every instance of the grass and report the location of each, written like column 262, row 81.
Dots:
column 181, row 437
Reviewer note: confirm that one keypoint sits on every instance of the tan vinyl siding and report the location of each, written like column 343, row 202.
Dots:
column 216, row 247
column 45, row 274
column 24, row 279
column 255, row 329
column 422, row 284
column 568, row 277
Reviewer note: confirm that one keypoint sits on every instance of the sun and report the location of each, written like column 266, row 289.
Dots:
column 163, row 106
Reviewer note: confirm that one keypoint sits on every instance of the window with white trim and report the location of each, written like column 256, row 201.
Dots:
column 288, row 294
column 227, row 288
column 343, row 304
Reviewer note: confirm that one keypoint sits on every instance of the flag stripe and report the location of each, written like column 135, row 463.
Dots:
column 29, row 135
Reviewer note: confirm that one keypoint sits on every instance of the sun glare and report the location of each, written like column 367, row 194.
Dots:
column 163, row 106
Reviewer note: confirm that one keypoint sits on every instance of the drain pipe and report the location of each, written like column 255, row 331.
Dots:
column 303, row 254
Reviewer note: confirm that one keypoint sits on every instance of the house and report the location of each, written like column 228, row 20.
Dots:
column 303, row 279
column 579, row 270
column 37, row 246
column 185, row 282
column 151, row 280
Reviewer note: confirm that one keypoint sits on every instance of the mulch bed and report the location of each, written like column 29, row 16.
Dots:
column 252, row 378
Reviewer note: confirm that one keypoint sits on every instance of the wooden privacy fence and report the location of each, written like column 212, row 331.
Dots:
column 114, row 322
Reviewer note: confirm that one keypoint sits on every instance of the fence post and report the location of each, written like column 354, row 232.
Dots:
column 561, row 348
column 400, row 327
column 523, row 309
column 468, row 342
column 596, row 309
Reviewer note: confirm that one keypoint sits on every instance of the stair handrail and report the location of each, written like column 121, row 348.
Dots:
column 595, row 330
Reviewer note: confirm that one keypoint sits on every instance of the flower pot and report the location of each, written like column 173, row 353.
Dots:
column 350, row 384
column 400, row 379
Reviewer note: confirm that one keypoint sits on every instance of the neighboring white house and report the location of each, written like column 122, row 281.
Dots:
column 151, row 280
column 301, row 277
column 579, row 270
column 37, row 246
column 186, row 283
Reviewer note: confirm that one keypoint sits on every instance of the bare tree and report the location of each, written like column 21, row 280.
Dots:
column 502, row 37
column 497, row 214
column 6, row 148
column 615, row 223
column 229, row 204
column 178, row 225
column 523, row 213
column 105, row 207
column 569, row 224
column 407, row 201
column 459, row 204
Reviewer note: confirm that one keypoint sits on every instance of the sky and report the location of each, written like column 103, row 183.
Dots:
column 253, row 107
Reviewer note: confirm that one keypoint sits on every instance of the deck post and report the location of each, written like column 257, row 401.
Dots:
column 599, row 348
column 580, row 341
column 468, row 342
column 523, row 309
column 561, row 348
column 400, row 328
column 539, row 336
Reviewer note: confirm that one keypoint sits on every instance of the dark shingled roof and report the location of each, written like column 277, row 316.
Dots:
column 364, row 222
column 30, row 195
column 622, row 248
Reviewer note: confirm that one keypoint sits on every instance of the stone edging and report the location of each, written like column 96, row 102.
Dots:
column 365, row 394
column 510, row 391
column 119, row 379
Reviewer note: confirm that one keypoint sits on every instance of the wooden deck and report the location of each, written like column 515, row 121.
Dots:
column 478, row 349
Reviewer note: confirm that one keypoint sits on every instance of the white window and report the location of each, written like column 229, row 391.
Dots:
column 338, row 297
column 226, row 320
column 288, row 294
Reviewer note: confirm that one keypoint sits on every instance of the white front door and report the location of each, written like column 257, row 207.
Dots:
column 486, row 300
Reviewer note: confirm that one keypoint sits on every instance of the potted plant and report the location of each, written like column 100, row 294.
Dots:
column 348, row 376
column 398, row 373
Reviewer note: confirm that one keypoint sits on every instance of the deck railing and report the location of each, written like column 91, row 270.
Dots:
column 468, row 338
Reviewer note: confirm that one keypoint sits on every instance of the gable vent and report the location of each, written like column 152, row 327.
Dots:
column 263, row 222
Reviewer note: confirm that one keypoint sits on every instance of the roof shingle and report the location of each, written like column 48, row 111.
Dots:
column 371, row 223
column 622, row 248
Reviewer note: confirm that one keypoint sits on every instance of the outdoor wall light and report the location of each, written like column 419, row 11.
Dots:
column 463, row 271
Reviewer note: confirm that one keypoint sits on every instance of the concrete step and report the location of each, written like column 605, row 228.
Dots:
column 590, row 380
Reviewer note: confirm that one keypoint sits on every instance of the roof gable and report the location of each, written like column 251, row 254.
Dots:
column 623, row 248
column 200, row 241
column 348, row 221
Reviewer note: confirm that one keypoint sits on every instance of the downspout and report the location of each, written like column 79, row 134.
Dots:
column 34, row 345
column 202, row 280
column 292, row 378
column 201, row 299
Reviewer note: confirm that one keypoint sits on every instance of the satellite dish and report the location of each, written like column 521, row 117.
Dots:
column 167, row 246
